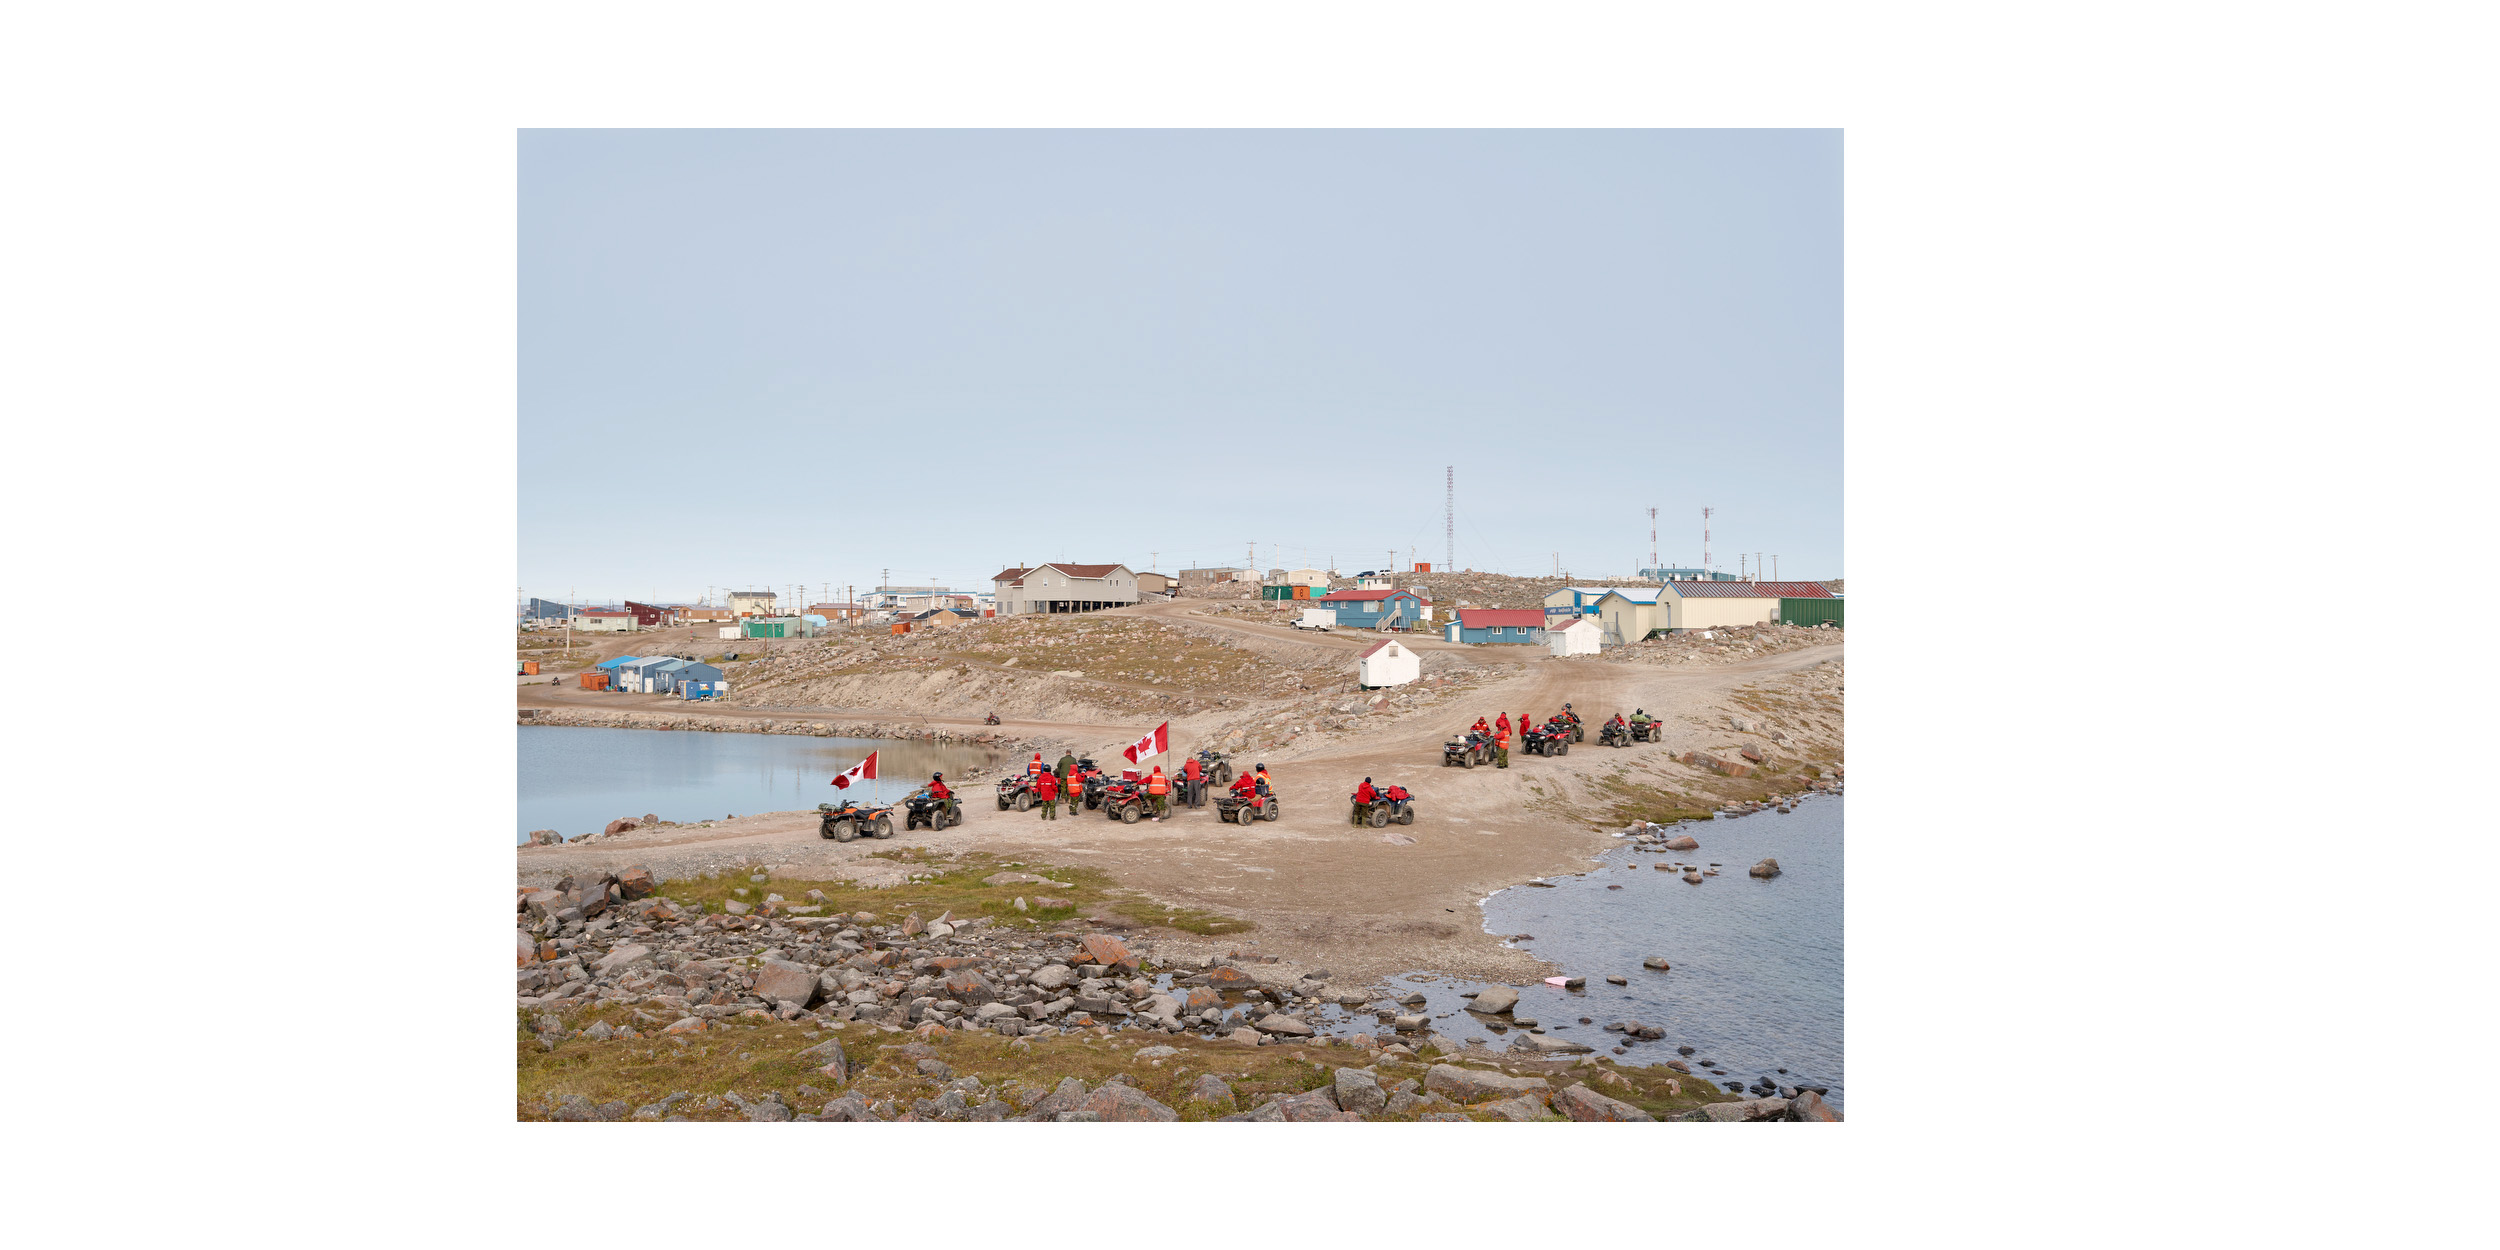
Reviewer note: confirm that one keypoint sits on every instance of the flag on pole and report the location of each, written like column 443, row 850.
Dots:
column 865, row 770
column 1155, row 743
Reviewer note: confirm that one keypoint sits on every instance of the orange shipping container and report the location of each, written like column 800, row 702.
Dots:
column 594, row 681
column 902, row 627
column 529, row 668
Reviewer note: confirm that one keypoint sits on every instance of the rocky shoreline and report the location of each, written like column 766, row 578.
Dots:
column 899, row 731
column 608, row 965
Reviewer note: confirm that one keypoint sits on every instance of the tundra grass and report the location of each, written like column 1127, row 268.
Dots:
column 957, row 883
column 752, row 1060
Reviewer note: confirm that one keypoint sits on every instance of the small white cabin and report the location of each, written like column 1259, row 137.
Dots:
column 1388, row 664
column 1577, row 638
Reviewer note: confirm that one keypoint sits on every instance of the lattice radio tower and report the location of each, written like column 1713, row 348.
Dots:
column 1705, row 538
column 1449, row 518
column 1653, row 538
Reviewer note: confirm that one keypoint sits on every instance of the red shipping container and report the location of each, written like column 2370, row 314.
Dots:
column 529, row 668
column 594, row 681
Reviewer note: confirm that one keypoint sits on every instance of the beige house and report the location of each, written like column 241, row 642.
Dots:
column 1305, row 577
column 1065, row 588
column 1627, row 615
column 1154, row 583
column 1214, row 574
column 600, row 621
column 1719, row 605
column 752, row 602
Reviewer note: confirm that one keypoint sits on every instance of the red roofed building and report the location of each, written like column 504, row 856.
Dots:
column 1055, row 588
column 1498, row 625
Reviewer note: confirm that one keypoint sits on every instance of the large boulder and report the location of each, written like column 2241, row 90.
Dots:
column 1588, row 1106
column 1546, row 1043
column 1766, row 870
column 1203, row 999
column 528, row 947
column 1052, row 977
column 1359, row 1092
column 1124, row 1102
column 1808, row 1107
column 781, row 979
column 624, row 957
column 1070, row 1095
column 620, row 826
column 1231, row 978
column 1524, row 1108
column 637, row 882
column 1752, row 1110
column 1212, row 1090
column 968, row 987
column 1685, row 843
column 1104, row 949
column 540, row 904
column 829, row 1060
column 1494, row 1000
column 1471, row 1085
column 1282, row 1025
column 1311, row 1107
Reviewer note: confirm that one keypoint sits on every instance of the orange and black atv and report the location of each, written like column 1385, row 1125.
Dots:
column 852, row 819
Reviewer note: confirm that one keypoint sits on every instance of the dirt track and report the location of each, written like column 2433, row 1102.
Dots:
column 1319, row 889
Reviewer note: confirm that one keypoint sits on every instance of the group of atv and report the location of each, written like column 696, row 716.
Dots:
column 1122, row 798
column 854, row 819
column 1552, row 738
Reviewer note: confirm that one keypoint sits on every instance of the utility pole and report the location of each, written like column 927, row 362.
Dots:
column 1449, row 516
column 1757, row 566
column 1740, row 568
column 1705, row 540
column 1775, row 566
column 1653, row 538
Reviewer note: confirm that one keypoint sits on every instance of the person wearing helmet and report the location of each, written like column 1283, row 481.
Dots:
column 938, row 791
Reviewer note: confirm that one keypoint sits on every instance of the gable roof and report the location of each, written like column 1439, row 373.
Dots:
column 622, row 659
column 1645, row 594
column 1007, row 575
column 1378, row 647
column 1085, row 570
column 1579, row 622
column 1751, row 590
column 1601, row 590
column 1494, row 618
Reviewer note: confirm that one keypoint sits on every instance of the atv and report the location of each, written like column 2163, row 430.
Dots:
column 923, row 808
column 1235, row 808
column 1579, row 732
column 1394, row 804
column 1016, row 791
column 1614, row 735
column 991, row 719
column 1218, row 769
column 1550, row 738
column 851, row 820
column 1090, row 783
column 1647, row 731
column 1466, row 752
column 1125, row 799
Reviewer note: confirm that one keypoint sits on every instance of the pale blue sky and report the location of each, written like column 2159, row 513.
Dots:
column 767, row 357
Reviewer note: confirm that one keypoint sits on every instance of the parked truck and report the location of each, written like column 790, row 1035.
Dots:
column 1324, row 619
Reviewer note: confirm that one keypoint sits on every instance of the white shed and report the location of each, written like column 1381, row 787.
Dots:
column 1577, row 638
column 1388, row 664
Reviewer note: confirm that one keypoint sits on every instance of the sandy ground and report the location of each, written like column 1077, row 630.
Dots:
column 1320, row 890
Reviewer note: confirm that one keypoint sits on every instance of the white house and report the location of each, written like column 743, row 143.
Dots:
column 1389, row 664
column 1065, row 588
column 1305, row 577
column 1578, row 638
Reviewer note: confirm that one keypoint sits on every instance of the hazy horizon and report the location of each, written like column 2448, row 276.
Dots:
column 750, row 359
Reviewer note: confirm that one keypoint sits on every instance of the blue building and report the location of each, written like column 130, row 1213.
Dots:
column 700, row 681
column 1525, row 626
column 1687, row 575
column 1377, row 609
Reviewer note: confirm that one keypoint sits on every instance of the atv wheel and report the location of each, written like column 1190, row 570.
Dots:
column 884, row 828
column 1406, row 814
column 1002, row 802
column 1466, row 761
column 1272, row 812
column 1128, row 813
column 1024, row 802
column 1379, row 819
column 1223, row 773
column 1563, row 748
column 845, row 831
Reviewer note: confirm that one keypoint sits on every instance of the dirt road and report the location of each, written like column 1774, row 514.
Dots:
column 1321, row 890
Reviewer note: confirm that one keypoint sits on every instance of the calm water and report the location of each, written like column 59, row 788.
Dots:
column 575, row 780
column 1756, row 976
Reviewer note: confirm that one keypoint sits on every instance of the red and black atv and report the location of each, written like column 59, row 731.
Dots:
column 1394, row 803
column 1468, row 751
column 1551, row 738
column 1579, row 732
column 1232, row 806
column 1016, row 790
column 1124, row 799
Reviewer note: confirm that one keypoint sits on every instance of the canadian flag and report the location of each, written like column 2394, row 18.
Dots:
column 865, row 770
column 1155, row 743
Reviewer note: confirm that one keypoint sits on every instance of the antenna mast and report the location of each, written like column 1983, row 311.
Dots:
column 1449, row 516
column 1705, row 539
column 1653, row 538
